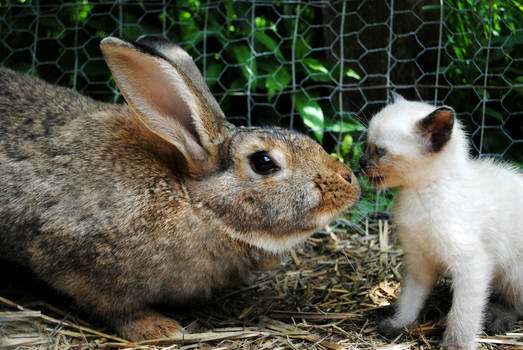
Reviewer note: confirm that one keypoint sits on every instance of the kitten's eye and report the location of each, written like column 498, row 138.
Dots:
column 380, row 151
column 262, row 163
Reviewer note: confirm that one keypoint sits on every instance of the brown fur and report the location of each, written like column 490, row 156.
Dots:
column 107, row 209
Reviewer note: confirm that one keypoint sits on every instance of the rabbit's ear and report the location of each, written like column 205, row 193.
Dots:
column 181, row 59
column 168, row 101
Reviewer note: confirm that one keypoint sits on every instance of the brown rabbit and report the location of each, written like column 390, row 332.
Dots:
column 161, row 200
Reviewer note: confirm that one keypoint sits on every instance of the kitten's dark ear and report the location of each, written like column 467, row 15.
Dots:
column 395, row 97
column 437, row 127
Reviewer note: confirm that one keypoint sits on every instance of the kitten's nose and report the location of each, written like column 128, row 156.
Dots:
column 363, row 162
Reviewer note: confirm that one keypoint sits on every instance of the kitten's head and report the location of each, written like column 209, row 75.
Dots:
column 405, row 141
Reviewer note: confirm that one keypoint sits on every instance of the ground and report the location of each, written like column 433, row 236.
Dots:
column 327, row 294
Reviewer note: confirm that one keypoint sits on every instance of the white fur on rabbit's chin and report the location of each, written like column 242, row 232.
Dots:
column 324, row 219
column 278, row 245
column 271, row 244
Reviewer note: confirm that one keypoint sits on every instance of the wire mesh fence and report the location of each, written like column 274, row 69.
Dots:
column 323, row 67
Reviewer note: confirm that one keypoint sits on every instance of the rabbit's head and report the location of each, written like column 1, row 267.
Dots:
column 268, row 187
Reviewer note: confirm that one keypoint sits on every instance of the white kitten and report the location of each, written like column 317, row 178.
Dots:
column 455, row 215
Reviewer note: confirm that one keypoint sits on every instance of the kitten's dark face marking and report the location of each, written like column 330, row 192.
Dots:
column 372, row 153
column 369, row 164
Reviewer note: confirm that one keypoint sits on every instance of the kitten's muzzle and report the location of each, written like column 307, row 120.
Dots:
column 374, row 179
column 364, row 162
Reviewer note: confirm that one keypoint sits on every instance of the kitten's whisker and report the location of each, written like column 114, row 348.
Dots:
column 362, row 120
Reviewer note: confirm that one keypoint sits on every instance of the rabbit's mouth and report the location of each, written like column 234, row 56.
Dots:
column 337, row 194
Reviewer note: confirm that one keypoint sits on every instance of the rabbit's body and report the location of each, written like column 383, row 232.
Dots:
column 57, row 174
column 97, row 201
column 82, row 230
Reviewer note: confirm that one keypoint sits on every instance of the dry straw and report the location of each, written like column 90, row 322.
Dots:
column 328, row 294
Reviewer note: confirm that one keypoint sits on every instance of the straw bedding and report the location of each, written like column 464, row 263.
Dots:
column 328, row 294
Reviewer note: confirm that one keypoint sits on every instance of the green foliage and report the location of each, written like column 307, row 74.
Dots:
column 268, row 55
column 262, row 54
column 312, row 114
column 374, row 201
column 472, row 25
column 256, row 50
column 265, row 60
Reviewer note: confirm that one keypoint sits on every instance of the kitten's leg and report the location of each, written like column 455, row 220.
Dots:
column 421, row 277
column 470, row 280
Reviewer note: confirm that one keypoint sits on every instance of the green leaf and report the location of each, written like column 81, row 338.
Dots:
column 430, row 7
column 315, row 65
column 229, row 10
column 269, row 43
column 323, row 78
column 260, row 22
column 344, row 127
column 351, row 73
column 83, row 11
column 493, row 113
column 237, row 85
column 346, row 144
column 212, row 73
column 277, row 81
column 319, row 71
column 301, row 46
column 243, row 55
column 312, row 115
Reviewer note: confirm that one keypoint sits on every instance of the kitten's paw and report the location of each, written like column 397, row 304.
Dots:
column 452, row 344
column 149, row 325
column 499, row 319
column 388, row 328
column 456, row 347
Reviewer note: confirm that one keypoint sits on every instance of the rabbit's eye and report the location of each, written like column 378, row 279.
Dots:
column 262, row 163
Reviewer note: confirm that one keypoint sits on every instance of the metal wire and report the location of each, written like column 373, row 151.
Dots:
column 485, row 80
column 405, row 45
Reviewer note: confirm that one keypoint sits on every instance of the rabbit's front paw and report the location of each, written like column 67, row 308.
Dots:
column 149, row 324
